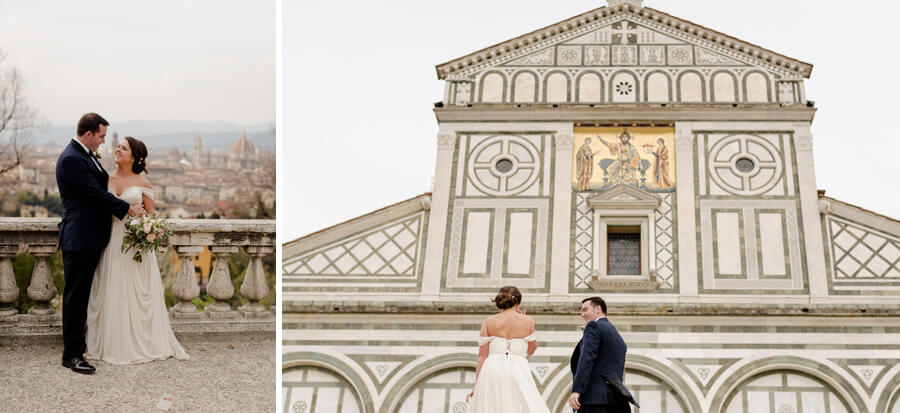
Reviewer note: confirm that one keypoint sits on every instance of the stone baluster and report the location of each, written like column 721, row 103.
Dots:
column 254, row 287
column 9, row 291
column 185, row 287
column 41, row 289
column 220, row 287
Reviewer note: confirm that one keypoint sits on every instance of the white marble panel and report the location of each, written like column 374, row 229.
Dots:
column 728, row 243
column 492, row 88
column 757, row 89
column 771, row 239
column 557, row 88
column 691, row 88
column 518, row 259
column 589, row 88
column 525, row 85
column 723, row 88
column 658, row 88
column 478, row 230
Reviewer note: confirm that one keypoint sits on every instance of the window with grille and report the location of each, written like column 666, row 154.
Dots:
column 624, row 250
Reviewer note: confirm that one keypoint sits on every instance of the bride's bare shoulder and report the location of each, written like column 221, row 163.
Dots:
column 143, row 181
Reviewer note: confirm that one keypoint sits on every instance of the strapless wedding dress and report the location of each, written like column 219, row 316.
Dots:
column 505, row 383
column 127, row 322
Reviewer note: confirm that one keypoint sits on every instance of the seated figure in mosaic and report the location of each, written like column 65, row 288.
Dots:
column 503, row 381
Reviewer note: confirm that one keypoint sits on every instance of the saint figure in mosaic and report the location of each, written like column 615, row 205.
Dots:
column 627, row 162
column 660, row 164
column 584, row 159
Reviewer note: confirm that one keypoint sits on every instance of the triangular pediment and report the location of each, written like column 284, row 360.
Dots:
column 623, row 197
column 624, row 35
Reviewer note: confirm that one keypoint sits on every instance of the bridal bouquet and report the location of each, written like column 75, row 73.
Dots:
column 145, row 235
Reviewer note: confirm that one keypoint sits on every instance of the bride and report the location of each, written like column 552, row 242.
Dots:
column 127, row 321
column 503, row 381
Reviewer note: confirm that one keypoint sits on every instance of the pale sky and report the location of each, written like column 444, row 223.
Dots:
column 359, row 85
column 202, row 60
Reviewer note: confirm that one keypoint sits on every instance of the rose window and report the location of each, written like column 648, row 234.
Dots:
column 504, row 165
column 568, row 56
column 624, row 88
column 745, row 164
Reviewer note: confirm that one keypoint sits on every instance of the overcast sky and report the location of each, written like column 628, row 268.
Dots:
column 359, row 84
column 130, row 60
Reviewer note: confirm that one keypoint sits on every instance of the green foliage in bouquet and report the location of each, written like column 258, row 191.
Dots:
column 145, row 235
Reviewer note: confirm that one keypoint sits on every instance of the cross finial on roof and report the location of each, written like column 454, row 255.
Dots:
column 614, row 3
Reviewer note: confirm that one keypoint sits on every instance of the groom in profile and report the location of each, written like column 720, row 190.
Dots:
column 598, row 359
column 88, row 207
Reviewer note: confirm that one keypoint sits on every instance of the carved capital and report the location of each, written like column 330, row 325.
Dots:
column 684, row 142
column 426, row 203
column 446, row 141
column 804, row 141
column 564, row 141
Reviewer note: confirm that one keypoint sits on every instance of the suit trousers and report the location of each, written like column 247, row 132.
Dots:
column 78, row 269
column 606, row 408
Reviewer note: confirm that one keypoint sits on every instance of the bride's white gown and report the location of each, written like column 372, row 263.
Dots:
column 127, row 320
column 505, row 383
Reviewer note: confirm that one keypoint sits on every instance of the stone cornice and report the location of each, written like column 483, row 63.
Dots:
column 701, row 33
column 634, row 112
column 616, row 309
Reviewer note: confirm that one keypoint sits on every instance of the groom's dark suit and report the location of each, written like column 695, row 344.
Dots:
column 599, row 354
column 83, row 234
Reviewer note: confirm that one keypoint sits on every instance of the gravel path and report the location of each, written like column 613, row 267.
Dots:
column 228, row 373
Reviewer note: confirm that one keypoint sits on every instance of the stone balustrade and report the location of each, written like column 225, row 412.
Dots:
column 38, row 237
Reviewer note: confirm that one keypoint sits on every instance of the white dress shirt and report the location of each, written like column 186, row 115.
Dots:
column 89, row 154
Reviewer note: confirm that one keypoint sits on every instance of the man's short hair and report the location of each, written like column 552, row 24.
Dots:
column 595, row 301
column 90, row 122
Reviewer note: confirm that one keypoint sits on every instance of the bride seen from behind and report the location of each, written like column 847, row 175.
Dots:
column 503, row 381
column 127, row 321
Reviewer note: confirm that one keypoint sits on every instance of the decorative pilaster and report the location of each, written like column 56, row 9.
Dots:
column 41, row 289
column 220, row 287
column 812, row 220
column 254, row 287
column 437, row 222
column 561, row 234
column 9, row 291
column 185, row 287
column 688, row 273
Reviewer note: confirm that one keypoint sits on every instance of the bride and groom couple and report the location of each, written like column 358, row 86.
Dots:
column 503, row 381
column 118, row 302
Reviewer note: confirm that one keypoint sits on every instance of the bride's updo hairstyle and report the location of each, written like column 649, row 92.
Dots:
column 508, row 297
column 139, row 153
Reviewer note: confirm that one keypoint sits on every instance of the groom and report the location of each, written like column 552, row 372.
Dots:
column 598, row 358
column 84, row 229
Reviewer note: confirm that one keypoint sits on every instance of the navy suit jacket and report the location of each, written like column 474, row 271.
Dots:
column 87, row 202
column 599, row 354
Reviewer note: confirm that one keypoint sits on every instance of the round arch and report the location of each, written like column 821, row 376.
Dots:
column 704, row 96
column 814, row 369
column 545, row 86
column 765, row 76
column 577, row 86
column 891, row 396
column 611, row 87
column 642, row 364
column 333, row 364
column 393, row 398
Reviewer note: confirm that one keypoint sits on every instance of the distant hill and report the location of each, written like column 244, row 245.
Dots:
column 170, row 133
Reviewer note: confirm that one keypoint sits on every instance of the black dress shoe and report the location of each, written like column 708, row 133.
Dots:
column 78, row 365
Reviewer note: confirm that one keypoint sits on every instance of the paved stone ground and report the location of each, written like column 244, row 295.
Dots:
column 231, row 373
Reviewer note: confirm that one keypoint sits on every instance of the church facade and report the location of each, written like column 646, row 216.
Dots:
column 625, row 153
